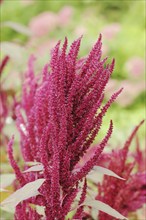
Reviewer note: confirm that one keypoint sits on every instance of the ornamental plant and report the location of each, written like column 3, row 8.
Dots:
column 125, row 196
column 60, row 113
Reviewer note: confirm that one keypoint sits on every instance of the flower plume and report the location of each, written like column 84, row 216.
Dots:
column 63, row 113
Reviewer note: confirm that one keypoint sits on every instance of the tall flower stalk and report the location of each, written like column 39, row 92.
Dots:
column 59, row 116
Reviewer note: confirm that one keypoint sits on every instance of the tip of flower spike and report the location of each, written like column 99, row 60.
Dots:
column 119, row 91
column 64, row 47
column 100, row 37
column 4, row 63
column 133, row 134
column 10, row 145
column 112, row 65
column 56, row 48
column 111, row 125
column 65, row 41
column 138, row 126
column 116, row 94
column 54, row 54
column 32, row 58
column 11, row 141
column 80, row 38
column 58, row 44
column 99, row 41
column 45, row 71
column 141, row 122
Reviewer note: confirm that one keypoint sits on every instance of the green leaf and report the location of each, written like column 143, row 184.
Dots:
column 8, row 209
column 106, row 171
column 6, row 180
column 95, row 177
column 40, row 210
column 98, row 205
column 27, row 191
column 17, row 27
column 32, row 163
column 35, row 168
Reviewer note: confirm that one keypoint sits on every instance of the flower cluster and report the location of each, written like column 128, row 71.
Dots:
column 58, row 118
column 129, row 195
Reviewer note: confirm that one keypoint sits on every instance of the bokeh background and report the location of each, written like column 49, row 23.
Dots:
column 34, row 26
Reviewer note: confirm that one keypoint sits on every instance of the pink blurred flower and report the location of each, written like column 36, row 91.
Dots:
column 110, row 31
column 135, row 66
column 65, row 15
column 27, row 2
column 43, row 23
column 130, row 92
column 48, row 21
column 113, row 83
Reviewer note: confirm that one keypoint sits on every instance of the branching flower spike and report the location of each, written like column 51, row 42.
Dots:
column 63, row 113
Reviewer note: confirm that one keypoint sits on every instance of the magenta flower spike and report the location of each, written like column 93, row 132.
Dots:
column 124, row 196
column 58, row 118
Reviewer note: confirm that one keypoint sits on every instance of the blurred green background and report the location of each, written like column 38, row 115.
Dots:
column 34, row 26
